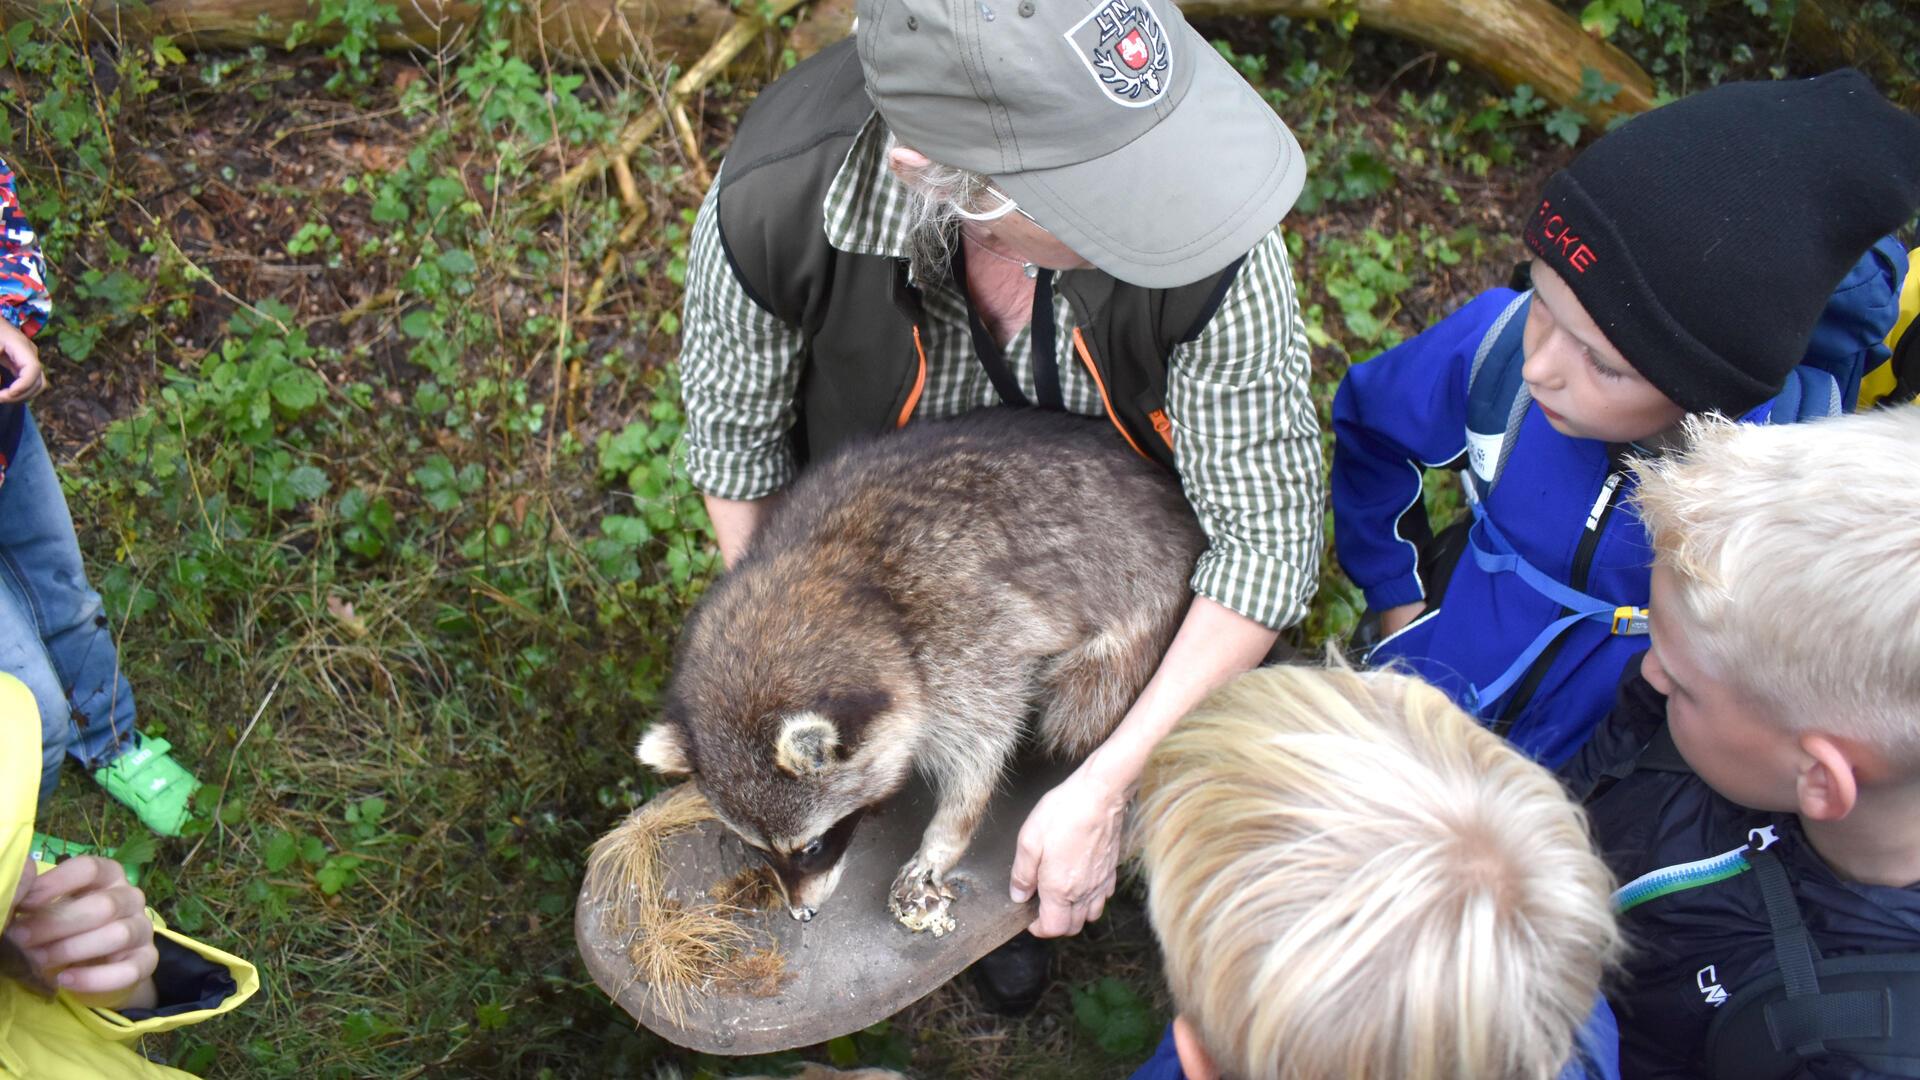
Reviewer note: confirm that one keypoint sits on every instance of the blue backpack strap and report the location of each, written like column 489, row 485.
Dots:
column 1850, row 338
column 1493, row 553
column 1497, row 398
column 1808, row 394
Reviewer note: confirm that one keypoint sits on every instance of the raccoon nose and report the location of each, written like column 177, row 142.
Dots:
column 804, row 914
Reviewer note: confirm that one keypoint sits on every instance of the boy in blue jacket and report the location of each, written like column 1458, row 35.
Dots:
column 1680, row 265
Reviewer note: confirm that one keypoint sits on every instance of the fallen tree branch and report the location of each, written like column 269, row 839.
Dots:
column 745, row 30
column 1520, row 41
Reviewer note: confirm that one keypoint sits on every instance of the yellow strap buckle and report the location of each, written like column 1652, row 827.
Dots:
column 1629, row 620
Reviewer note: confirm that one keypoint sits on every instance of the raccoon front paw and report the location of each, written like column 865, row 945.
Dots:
column 920, row 901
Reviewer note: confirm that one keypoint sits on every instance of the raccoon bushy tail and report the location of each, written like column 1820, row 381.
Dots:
column 1087, row 689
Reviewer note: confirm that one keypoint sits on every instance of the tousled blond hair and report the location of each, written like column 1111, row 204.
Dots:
column 1795, row 554
column 1351, row 880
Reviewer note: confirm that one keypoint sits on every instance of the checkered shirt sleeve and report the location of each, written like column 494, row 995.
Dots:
column 739, row 375
column 1247, row 444
column 23, row 272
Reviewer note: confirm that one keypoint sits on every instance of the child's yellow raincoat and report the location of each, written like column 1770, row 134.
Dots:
column 60, row 1039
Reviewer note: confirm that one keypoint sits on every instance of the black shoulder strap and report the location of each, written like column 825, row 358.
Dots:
column 1658, row 755
column 1793, row 951
column 1200, row 302
column 1906, row 363
column 1809, row 1006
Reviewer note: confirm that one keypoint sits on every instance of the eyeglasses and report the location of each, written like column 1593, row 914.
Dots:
column 1001, row 209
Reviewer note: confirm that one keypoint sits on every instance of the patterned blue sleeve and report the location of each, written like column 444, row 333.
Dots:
column 23, row 272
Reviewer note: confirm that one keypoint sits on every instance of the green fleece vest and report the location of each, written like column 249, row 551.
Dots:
column 863, row 371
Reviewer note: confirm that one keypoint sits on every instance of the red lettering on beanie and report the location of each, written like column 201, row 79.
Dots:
column 1559, row 234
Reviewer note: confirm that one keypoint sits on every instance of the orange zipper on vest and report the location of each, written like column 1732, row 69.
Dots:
column 1080, row 346
column 919, row 383
column 1162, row 426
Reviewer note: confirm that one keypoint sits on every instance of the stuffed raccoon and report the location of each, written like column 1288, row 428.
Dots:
column 909, row 604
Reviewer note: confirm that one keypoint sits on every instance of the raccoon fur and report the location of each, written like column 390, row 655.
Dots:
column 910, row 604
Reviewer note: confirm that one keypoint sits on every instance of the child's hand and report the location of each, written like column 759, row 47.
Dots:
column 18, row 354
column 86, row 931
column 1395, row 619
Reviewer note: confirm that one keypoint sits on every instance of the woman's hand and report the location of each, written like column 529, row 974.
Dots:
column 1069, row 852
column 1070, row 843
column 86, row 931
column 19, row 355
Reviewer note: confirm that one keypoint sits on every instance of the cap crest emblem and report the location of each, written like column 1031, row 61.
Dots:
column 1125, row 47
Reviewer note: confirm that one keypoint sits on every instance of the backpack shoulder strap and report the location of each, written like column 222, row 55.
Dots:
column 1497, row 397
column 1903, row 368
column 1658, row 755
column 1809, row 1006
column 1808, row 394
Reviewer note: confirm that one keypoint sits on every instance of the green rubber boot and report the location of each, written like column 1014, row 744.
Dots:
column 52, row 849
column 151, row 784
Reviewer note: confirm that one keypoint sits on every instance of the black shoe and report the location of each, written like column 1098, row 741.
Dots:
column 1012, row 977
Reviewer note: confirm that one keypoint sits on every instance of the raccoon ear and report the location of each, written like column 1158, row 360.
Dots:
column 852, row 711
column 806, row 744
column 664, row 749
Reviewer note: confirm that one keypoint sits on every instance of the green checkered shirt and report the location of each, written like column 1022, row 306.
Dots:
column 1246, row 436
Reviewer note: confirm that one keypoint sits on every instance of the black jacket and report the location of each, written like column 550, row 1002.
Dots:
column 1692, row 948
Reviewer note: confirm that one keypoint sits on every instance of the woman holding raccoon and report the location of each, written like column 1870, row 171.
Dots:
column 1074, row 208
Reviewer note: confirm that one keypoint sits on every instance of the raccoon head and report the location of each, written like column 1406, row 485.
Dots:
column 796, row 786
column 796, row 703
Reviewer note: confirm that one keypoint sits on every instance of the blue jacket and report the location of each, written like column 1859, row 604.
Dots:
column 1596, row 1052
column 1564, row 504
column 1561, row 501
column 1699, row 936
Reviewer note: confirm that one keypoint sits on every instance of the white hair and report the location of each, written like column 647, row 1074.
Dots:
column 1352, row 879
column 938, row 194
column 1795, row 553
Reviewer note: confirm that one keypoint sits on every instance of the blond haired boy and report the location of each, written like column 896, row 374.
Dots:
column 1760, row 778
column 1351, row 879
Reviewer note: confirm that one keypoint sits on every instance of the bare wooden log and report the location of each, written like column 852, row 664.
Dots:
column 1520, row 41
column 1832, row 34
column 592, row 31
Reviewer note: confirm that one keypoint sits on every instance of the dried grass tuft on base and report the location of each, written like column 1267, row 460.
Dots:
column 623, row 869
column 760, row 973
column 755, row 889
column 677, row 948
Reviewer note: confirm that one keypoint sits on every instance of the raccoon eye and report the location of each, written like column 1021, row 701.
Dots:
column 814, row 847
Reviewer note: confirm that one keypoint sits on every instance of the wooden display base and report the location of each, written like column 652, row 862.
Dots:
column 852, row 965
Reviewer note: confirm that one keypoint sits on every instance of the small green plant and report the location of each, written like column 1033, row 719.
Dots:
column 313, row 237
column 883, row 1045
column 355, row 26
column 1363, row 276
column 1121, row 1022
column 536, row 105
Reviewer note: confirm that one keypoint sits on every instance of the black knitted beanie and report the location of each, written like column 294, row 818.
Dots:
column 1705, row 236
